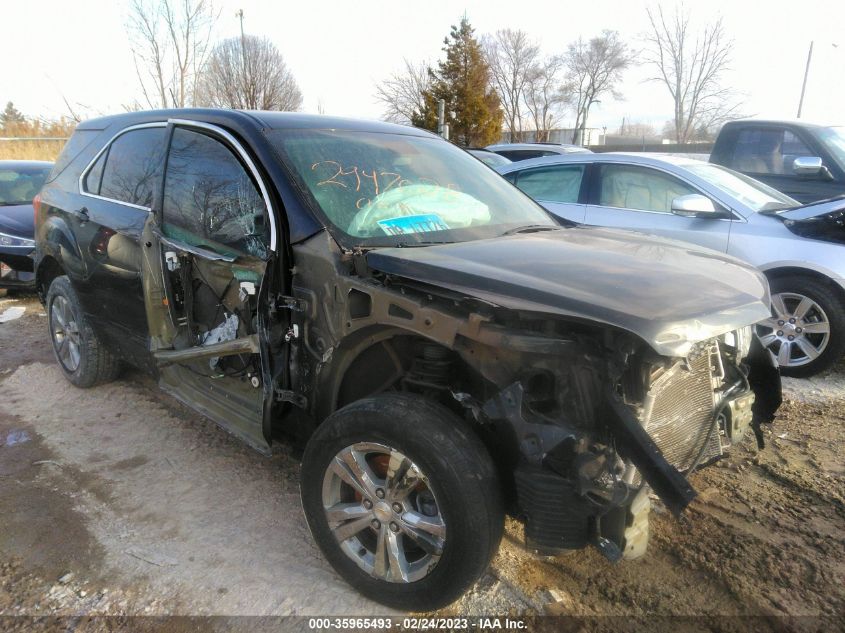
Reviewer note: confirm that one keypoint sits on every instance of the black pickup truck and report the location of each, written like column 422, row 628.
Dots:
column 803, row 160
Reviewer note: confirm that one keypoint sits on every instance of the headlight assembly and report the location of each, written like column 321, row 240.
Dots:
column 13, row 240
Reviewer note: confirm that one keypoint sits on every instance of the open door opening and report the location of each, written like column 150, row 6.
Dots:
column 207, row 257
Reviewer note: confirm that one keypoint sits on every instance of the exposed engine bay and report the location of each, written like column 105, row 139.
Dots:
column 583, row 419
column 828, row 227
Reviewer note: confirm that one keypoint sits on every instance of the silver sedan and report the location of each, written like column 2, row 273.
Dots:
column 800, row 248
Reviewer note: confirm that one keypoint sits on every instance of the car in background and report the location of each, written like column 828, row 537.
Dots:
column 801, row 249
column 526, row 151
column 20, row 181
column 803, row 160
column 491, row 159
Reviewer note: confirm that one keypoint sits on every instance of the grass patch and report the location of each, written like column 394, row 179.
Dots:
column 26, row 149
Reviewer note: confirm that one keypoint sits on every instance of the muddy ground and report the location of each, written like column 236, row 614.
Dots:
column 118, row 500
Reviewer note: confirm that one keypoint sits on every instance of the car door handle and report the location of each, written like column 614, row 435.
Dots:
column 82, row 214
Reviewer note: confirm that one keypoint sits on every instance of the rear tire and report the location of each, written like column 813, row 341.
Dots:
column 453, row 466
column 84, row 359
column 810, row 303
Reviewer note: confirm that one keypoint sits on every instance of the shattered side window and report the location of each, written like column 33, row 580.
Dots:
column 210, row 199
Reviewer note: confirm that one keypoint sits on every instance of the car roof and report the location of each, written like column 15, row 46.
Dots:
column 785, row 122
column 639, row 158
column 262, row 118
column 550, row 147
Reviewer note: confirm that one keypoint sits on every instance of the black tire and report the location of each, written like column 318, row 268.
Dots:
column 834, row 307
column 461, row 476
column 97, row 364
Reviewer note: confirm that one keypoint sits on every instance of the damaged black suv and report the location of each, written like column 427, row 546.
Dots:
column 454, row 354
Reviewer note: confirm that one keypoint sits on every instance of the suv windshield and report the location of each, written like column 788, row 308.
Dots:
column 18, row 185
column 752, row 193
column 380, row 189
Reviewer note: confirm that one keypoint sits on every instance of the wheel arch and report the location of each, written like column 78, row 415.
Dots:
column 780, row 272
column 48, row 269
column 351, row 375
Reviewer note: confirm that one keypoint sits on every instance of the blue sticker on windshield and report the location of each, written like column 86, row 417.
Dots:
column 404, row 225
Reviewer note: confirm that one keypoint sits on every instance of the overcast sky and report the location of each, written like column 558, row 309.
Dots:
column 338, row 51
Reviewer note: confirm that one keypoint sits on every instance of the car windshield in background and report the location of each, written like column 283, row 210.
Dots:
column 834, row 140
column 491, row 159
column 752, row 193
column 19, row 185
column 382, row 189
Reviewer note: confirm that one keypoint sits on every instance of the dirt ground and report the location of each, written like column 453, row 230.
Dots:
column 118, row 500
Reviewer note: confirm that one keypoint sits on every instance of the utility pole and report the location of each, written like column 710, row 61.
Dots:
column 804, row 85
column 240, row 14
column 442, row 130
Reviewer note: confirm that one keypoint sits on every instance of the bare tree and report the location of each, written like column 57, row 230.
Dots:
column 636, row 129
column 511, row 56
column 247, row 73
column 595, row 68
column 169, row 43
column 545, row 96
column 691, row 65
column 402, row 93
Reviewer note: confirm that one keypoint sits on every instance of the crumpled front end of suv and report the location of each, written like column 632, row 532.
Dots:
column 585, row 402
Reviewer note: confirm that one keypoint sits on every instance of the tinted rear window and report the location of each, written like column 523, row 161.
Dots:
column 134, row 166
column 558, row 183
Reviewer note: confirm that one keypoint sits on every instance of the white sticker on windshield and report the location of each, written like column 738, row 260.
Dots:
column 424, row 223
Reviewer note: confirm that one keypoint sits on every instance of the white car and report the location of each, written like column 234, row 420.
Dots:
column 801, row 249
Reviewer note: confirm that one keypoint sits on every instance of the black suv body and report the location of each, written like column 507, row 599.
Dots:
column 452, row 352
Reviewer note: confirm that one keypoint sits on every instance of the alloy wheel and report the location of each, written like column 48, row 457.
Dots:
column 798, row 331
column 65, row 333
column 383, row 512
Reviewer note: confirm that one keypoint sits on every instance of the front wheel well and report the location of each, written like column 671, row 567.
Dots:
column 404, row 362
column 794, row 271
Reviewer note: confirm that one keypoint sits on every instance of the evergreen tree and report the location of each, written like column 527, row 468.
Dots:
column 463, row 80
column 10, row 116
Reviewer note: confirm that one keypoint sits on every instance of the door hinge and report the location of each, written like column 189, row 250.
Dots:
column 286, row 395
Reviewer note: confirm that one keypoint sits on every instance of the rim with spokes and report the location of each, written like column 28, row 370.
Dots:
column 798, row 331
column 383, row 512
column 65, row 333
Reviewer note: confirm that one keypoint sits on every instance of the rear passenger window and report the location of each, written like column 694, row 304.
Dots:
column 210, row 199
column 560, row 183
column 133, row 166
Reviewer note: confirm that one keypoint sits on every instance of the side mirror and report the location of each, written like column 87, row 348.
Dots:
column 811, row 166
column 807, row 166
column 694, row 205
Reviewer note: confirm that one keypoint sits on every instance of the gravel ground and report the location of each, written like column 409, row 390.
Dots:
column 118, row 500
